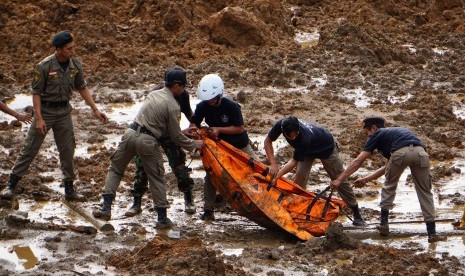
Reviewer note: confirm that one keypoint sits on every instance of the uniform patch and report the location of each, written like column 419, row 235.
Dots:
column 36, row 75
column 52, row 72
column 74, row 72
column 224, row 119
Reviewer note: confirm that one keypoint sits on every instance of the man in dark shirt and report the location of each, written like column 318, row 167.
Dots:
column 177, row 161
column 224, row 117
column 310, row 142
column 402, row 149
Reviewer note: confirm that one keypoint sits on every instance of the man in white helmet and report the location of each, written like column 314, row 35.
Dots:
column 224, row 117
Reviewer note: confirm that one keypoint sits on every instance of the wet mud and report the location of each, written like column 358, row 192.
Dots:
column 400, row 59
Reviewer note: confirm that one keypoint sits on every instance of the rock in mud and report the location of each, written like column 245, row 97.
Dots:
column 15, row 220
column 336, row 239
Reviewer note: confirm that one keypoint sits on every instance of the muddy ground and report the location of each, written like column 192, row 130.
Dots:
column 407, row 57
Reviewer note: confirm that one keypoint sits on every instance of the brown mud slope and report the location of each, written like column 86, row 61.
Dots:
column 363, row 44
column 388, row 48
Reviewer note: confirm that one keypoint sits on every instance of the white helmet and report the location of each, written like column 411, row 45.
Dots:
column 210, row 86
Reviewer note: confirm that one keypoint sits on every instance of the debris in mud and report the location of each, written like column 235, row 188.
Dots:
column 336, row 239
column 180, row 257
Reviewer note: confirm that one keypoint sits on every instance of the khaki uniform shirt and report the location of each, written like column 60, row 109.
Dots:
column 159, row 114
column 55, row 85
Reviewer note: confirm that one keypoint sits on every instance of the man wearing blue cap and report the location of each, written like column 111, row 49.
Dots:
column 53, row 83
column 157, row 118
column 402, row 149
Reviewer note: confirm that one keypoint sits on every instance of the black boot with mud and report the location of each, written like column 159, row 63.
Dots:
column 383, row 227
column 9, row 191
column 135, row 208
column 207, row 215
column 105, row 211
column 358, row 219
column 432, row 235
column 70, row 193
column 189, row 206
column 163, row 222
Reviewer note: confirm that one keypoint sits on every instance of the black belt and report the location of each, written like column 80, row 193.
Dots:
column 142, row 129
column 54, row 104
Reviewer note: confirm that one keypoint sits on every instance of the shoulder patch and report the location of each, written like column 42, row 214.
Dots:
column 36, row 75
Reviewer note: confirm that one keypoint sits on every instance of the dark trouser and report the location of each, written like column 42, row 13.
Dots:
column 59, row 120
column 176, row 160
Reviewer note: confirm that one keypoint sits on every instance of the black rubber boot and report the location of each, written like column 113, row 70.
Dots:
column 432, row 236
column 383, row 227
column 9, row 190
column 163, row 221
column 105, row 210
column 189, row 206
column 135, row 208
column 358, row 220
column 207, row 215
column 70, row 193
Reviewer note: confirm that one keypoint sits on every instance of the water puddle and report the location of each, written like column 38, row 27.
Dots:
column 18, row 257
column 357, row 96
column 307, row 39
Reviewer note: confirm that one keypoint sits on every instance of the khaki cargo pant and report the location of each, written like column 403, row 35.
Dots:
column 209, row 191
column 148, row 148
column 418, row 160
column 334, row 167
column 176, row 160
column 59, row 120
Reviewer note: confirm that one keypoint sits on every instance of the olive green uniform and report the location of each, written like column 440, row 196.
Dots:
column 55, row 87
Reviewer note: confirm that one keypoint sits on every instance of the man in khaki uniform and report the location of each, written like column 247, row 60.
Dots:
column 158, row 117
column 55, row 78
column 402, row 149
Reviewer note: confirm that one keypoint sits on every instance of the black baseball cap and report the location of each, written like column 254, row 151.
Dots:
column 176, row 75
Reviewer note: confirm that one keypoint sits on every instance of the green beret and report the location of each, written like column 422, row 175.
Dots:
column 62, row 38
